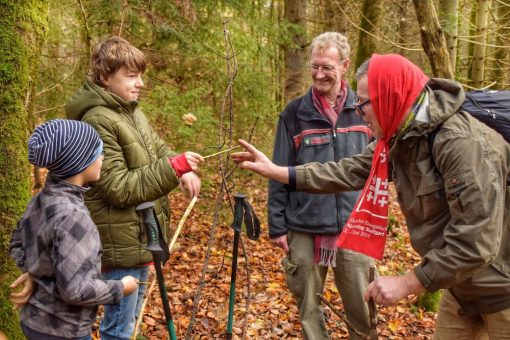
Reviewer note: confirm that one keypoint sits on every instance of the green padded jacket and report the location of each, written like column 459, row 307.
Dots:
column 135, row 170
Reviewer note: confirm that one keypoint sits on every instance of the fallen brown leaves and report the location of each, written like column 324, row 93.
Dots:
column 272, row 312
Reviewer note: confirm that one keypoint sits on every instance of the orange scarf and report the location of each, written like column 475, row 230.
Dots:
column 394, row 83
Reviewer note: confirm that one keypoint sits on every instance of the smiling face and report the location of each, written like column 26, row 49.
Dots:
column 368, row 110
column 327, row 70
column 124, row 83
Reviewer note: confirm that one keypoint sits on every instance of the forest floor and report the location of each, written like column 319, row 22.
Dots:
column 272, row 313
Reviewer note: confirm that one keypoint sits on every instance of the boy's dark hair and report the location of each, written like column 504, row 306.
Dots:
column 110, row 55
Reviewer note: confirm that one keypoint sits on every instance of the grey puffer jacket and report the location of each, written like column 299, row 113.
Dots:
column 455, row 199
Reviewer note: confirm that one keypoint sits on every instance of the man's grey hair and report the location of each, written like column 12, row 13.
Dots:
column 362, row 69
column 332, row 39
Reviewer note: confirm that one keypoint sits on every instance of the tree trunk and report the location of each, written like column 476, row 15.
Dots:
column 501, row 54
column 404, row 27
column 432, row 39
column 480, row 39
column 22, row 28
column 335, row 19
column 295, row 54
column 464, row 48
column 448, row 18
column 85, row 31
column 367, row 43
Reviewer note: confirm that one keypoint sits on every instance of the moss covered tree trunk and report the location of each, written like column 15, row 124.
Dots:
column 22, row 28
column 405, row 34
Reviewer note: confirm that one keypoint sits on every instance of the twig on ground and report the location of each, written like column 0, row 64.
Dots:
column 343, row 317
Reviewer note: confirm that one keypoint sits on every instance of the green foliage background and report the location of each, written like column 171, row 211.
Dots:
column 184, row 44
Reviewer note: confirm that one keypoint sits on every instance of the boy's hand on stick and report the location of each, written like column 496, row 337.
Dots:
column 130, row 284
column 22, row 297
column 190, row 183
column 194, row 159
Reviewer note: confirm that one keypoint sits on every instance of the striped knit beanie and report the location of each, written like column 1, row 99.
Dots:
column 64, row 147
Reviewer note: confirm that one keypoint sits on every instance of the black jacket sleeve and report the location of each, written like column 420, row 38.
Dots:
column 279, row 193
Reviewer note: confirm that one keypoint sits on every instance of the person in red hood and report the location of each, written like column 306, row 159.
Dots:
column 453, row 193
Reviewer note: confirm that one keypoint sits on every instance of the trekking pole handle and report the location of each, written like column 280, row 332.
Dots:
column 151, row 229
column 237, row 224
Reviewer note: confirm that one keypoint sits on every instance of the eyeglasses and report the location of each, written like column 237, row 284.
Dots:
column 359, row 106
column 325, row 68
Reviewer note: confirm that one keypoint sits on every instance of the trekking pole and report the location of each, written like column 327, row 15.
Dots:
column 236, row 225
column 243, row 211
column 159, row 250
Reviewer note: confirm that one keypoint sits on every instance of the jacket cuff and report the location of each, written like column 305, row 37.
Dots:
column 117, row 291
column 292, row 178
column 300, row 177
column 272, row 236
column 424, row 279
column 180, row 164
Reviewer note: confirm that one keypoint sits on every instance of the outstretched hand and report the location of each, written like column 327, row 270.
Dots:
column 21, row 298
column 256, row 161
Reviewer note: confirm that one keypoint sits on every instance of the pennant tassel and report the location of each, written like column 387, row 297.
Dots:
column 325, row 257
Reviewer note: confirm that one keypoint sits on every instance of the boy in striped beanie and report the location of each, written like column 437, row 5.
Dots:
column 56, row 241
column 64, row 147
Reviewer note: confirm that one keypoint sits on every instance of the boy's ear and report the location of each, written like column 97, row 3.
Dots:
column 104, row 80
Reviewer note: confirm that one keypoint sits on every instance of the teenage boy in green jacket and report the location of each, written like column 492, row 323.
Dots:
column 138, row 167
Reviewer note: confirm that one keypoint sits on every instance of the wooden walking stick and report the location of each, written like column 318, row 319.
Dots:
column 372, row 310
column 342, row 317
column 223, row 151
